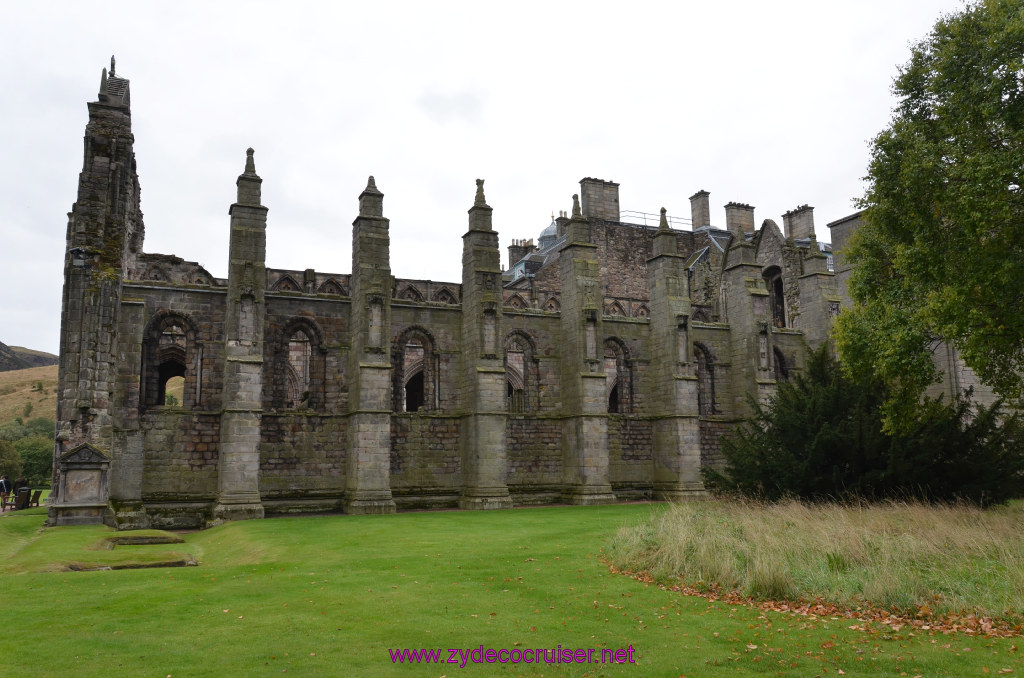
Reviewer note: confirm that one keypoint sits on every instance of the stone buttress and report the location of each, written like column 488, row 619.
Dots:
column 746, row 297
column 368, row 470
column 819, row 294
column 676, row 423
column 238, row 495
column 483, row 380
column 585, row 428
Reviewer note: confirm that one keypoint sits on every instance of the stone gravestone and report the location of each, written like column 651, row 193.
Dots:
column 82, row 486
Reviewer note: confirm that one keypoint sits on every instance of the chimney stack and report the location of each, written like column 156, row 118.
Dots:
column 799, row 222
column 739, row 219
column 700, row 209
column 600, row 199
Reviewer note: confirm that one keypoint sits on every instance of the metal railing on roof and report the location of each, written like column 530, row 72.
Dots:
column 648, row 219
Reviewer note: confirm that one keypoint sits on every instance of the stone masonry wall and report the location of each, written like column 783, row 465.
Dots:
column 302, row 456
column 181, row 455
column 426, row 467
column 534, row 458
column 711, row 432
column 630, row 456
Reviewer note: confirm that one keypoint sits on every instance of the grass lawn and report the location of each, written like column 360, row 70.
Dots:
column 328, row 596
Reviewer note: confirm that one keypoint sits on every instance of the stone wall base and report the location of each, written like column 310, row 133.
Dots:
column 226, row 512
column 95, row 514
column 480, row 500
column 589, row 495
column 681, row 492
column 370, row 506
column 129, row 516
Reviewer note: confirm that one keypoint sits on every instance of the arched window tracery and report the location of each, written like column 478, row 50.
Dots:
column 414, row 372
column 169, row 351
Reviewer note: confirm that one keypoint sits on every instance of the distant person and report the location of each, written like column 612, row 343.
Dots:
column 5, row 492
column 21, row 493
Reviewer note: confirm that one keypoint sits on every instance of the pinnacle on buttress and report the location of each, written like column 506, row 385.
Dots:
column 663, row 224
column 249, row 182
column 480, row 212
column 480, row 201
column 577, row 213
column 113, row 74
column 371, row 200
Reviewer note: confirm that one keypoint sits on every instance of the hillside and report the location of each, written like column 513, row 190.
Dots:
column 9, row 360
column 35, row 387
column 35, row 358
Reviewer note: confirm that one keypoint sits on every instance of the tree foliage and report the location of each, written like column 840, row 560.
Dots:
column 37, row 456
column 10, row 460
column 821, row 437
column 941, row 250
column 28, row 446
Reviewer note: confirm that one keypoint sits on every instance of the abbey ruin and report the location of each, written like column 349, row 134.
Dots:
column 602, row 364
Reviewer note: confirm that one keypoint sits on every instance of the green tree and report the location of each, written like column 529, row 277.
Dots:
column 37, row 455
column 10, row 460
column 941, row 251
column 41, row 426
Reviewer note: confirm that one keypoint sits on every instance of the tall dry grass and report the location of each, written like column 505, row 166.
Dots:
column 19, row 388
column 911, row 557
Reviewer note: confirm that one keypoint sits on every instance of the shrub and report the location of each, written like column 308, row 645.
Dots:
column 821, row 437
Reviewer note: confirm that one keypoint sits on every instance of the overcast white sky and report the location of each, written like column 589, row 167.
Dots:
column 767, row 103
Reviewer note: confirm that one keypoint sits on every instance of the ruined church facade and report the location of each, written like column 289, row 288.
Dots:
column 603, row 364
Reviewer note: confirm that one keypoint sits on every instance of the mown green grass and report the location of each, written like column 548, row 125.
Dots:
column 328, row 596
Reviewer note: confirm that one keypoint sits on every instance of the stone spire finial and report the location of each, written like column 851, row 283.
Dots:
column 479, row 200
column 576, row 211
column 249, row 182
column 113, row 72
column 103, row 83
column 663, row 224
column 371, row 200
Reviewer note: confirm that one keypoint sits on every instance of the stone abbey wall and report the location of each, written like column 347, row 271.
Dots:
column 608, row 372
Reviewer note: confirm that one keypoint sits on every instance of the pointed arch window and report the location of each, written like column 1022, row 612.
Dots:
column 705, row 379
column 520, row 374
column 780, row 368
column 170, row 355
column 299, row 367
column 618, row 370
column 415, row 372
column 776, row 295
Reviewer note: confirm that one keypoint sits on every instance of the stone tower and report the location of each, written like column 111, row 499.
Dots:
column 104, row 235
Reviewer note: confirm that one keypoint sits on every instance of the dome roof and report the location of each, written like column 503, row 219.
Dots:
column 549, row 232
